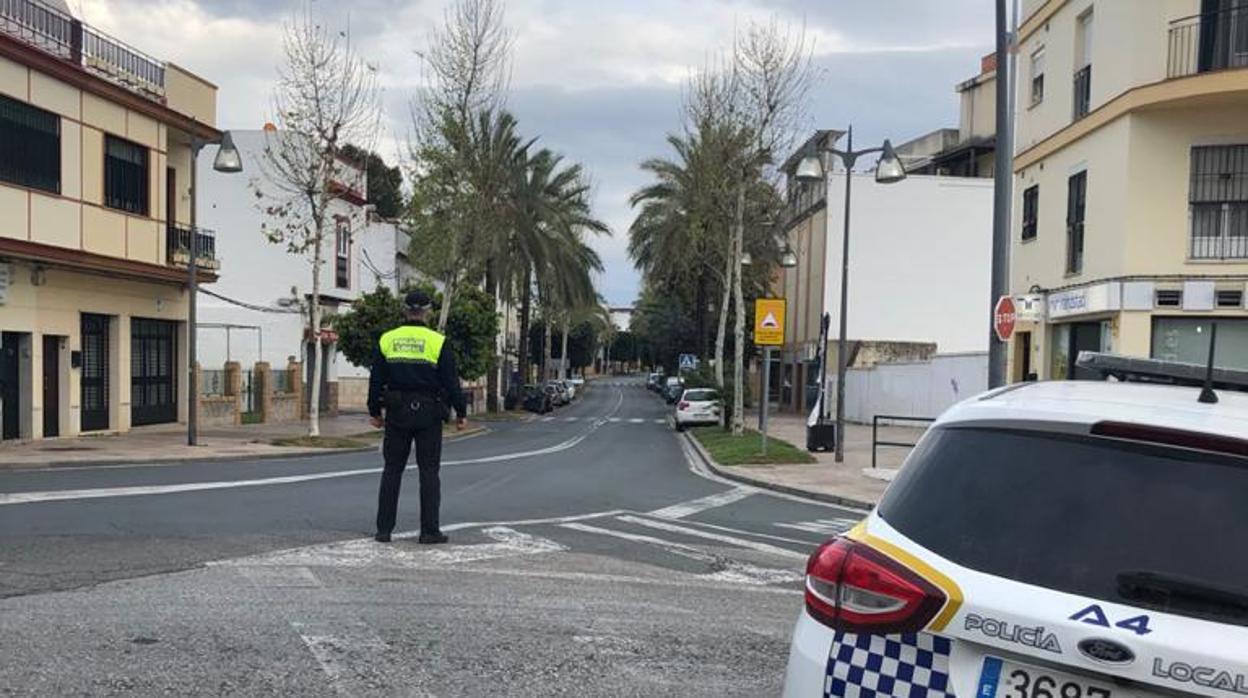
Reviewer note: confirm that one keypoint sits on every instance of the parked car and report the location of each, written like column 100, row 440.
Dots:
column 654, row 381
column 558, row 396
column 536, row 399
column 697, row 406
column 1070, row 539
column 568, row 388
column 577, row 383
column 672, row 389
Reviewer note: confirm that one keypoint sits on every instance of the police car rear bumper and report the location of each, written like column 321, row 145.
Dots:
column 807, row 674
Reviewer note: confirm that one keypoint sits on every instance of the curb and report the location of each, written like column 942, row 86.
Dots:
column 293, row 453
column 725, row 473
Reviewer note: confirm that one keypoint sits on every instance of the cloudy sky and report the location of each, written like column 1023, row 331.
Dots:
column 598, row 80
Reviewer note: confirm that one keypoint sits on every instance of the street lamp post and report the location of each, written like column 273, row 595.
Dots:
column 887, row 171
column 229, row 161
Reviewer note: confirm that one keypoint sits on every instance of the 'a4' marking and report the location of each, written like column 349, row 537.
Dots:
column 1094, row 615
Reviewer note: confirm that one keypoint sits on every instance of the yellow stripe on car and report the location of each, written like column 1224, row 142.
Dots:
column 953, row 592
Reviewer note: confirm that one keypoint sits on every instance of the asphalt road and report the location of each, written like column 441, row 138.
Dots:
column 588, row 557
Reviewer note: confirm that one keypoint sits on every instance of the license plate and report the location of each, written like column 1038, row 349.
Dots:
column 1002, row 678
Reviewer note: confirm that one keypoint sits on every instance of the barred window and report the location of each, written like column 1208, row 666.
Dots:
column 30, row 146
column 126, row 178
column 1218, row 198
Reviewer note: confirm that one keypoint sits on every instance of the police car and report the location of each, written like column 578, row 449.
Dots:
column 1046, row 540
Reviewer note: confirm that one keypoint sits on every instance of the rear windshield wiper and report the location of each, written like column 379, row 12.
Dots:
column 1183, row 594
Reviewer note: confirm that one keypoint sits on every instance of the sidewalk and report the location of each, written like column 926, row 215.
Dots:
column 167, row 443
column 852, row 483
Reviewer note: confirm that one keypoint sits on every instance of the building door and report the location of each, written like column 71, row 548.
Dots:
column 94, row 372
column 153, row 378
column 1022, row 357
column 51, row 386
column 10, row 391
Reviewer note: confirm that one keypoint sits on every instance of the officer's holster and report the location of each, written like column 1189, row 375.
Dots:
column 407, row 410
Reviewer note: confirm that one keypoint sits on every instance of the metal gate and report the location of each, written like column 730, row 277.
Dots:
column 94, row 376
column 153, row 377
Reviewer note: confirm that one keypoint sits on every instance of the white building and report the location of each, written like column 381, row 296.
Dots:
column 919, row 260
column 621, row 317
column 257, row 310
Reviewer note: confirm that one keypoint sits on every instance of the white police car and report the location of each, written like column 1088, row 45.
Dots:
column 1048, row 540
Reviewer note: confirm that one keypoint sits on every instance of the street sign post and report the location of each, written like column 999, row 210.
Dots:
column 1004, row 315
column 768, row 332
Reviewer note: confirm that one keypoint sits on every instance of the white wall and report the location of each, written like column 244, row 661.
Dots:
column 258, row 272
column 920, row 389
column 919, row 260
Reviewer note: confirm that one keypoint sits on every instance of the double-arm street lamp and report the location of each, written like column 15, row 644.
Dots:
column 811, row 169
column 229, row 161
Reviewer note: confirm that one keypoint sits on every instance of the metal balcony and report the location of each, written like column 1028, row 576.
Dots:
column 178, row 246
column 54, row 32
column 1207, row 42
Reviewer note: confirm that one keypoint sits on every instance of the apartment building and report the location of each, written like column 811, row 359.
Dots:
column 1130, row 229
column 96, row 156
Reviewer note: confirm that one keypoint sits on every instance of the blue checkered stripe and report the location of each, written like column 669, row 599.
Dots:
column 911, row 665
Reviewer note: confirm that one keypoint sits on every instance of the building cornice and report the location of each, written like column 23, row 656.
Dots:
column 1039, row 18
column 79, row 260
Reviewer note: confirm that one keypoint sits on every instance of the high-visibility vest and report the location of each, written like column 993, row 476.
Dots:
column 412, row 344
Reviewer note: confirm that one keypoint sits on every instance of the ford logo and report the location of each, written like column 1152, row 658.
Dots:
column 1107, row 651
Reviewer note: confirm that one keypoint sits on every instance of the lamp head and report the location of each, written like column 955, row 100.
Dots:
column 227, row 160
column 810, row 169
column 788, row 258
column 889, row 169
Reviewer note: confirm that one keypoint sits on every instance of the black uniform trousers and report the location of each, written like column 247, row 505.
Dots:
column 396, row 448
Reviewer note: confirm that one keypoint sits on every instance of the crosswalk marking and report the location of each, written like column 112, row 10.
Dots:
column 733, row 540
column 685, row 509
column 830, row 527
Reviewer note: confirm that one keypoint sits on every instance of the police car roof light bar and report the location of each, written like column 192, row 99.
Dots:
column 1137, row 370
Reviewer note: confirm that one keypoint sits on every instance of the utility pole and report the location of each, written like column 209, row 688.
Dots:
column 1002, row 160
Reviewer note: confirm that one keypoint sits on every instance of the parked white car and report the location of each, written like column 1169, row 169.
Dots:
column 1046, row 540
column 696, row 406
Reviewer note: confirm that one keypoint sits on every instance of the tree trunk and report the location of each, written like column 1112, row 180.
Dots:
column 491, row 378
column 546, row 349
column 738, row 370
column 722, row 329
column 700, row 314
column 526, row 311
column 318, row 354
column 448, row 294
column 563, row 351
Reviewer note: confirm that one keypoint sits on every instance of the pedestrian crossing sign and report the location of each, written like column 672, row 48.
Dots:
column 769, row 321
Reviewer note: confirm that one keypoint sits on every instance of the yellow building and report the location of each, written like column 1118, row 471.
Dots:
column 96, row 210
column 1130, row 229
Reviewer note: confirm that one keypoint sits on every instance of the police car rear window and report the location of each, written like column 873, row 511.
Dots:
column 1073, row 513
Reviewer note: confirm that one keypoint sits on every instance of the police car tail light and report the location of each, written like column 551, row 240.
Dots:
column 852, row 587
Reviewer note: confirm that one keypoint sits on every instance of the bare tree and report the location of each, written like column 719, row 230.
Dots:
column 326, row 97
column 773, row 76
column 468, row 63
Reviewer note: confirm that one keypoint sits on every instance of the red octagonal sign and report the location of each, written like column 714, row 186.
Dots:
column 1003, row 317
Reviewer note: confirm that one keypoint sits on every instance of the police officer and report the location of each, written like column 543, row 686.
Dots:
column 413, row 378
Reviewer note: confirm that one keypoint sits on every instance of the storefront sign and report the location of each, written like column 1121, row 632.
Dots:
column 1098, row 298
column 1029, row 308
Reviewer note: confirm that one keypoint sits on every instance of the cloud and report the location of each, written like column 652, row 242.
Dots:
column 598, row 81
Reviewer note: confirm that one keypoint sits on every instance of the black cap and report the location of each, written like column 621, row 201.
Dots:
column 418, row 300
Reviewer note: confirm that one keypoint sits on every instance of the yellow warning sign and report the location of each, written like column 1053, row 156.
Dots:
column 769, row 321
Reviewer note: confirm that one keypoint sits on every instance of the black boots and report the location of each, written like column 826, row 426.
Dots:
column 382, row 537
column 432, row 538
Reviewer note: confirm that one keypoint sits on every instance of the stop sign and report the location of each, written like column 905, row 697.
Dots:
column 1003, row 316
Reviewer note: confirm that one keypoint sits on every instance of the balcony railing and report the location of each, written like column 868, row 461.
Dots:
column 1219, row 231
column 54, row 32
column 1083, row 92
column 1208, row 42
column 178, row 246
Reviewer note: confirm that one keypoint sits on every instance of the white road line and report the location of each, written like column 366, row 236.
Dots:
column 660, row 421
column 831, row 527
column 570, row 419
column 103, row 492
column 695, row 506
column 694, row 582
column 731, row 571
column 732, row 540
column 332, row 647
column 636, row 420
column 743, row 532
column 614, row 420
column 548, row 419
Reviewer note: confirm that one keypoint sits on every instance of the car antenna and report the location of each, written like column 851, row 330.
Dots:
column 1207, row 396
